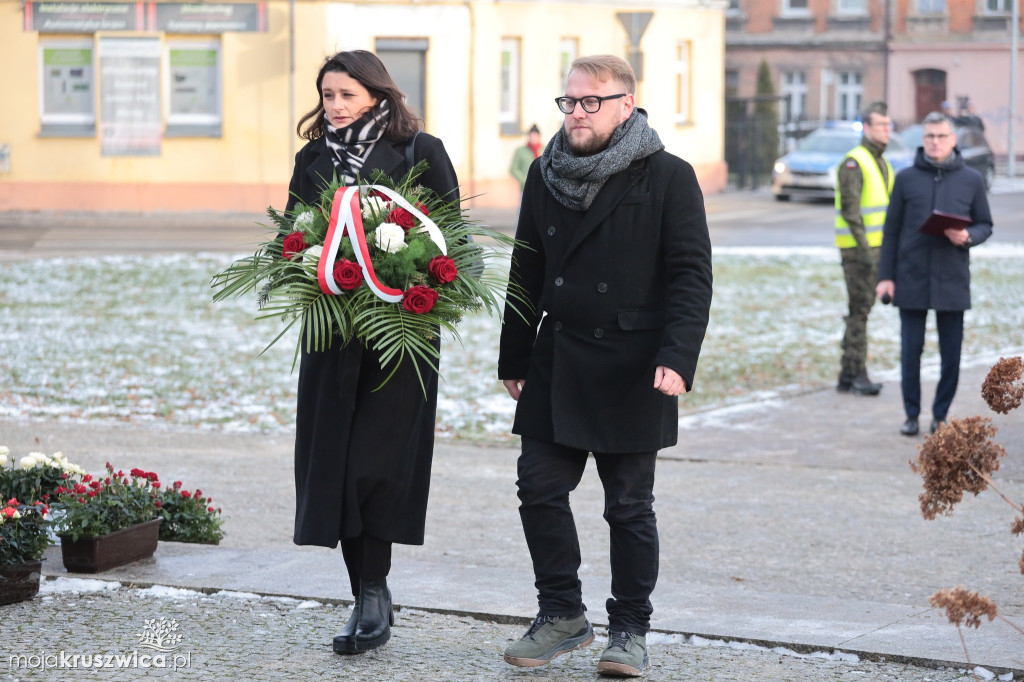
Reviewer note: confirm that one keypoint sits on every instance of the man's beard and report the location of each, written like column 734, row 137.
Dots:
column 590, row 146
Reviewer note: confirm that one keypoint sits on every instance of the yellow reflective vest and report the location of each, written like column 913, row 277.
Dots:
column 874, row 199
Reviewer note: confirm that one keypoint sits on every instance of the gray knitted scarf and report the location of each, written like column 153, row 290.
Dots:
column 576, row 180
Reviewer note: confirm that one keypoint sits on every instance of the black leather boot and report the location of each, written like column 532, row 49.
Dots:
column 376, row 616
column 862, row 385
column 845, row 382
column 345, row 643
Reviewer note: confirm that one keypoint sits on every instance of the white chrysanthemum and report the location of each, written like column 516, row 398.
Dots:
column 374, row 206
column 304, row 221
column 389, row 237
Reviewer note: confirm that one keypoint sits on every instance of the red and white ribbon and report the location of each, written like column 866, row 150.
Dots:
column 347, row 218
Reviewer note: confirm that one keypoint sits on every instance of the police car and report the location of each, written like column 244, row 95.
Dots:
column 809, row 171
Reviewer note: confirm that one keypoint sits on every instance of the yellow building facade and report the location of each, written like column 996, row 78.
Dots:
column 173, row 106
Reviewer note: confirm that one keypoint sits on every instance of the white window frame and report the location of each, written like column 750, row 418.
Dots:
column 509, row 84
column 787, row 9
column 852, row 8
column 68, row 124
column 794, row 84
column 853, row 91
column 930, row 7
column 200, row 125
column 987, row 7
column 683, row 69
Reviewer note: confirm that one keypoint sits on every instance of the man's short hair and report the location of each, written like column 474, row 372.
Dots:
column 937, row 117
column 879, row 108
column 604, row 66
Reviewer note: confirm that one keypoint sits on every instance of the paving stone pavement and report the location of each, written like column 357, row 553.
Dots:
column 243, row 636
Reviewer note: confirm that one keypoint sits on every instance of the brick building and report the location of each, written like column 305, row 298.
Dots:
column 828, row 57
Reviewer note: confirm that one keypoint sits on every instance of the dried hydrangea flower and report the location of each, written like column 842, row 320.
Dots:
column 963, row 607
column 1003, row 388
column 956, row 459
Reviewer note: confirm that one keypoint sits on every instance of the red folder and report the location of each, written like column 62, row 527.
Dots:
column 939, row 221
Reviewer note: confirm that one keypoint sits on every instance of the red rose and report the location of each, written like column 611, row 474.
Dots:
column 347, row 274
column 419, row 299
column 210, row 509
column 156, row 484
column 442, row 268
column 186, row 494
column 378, row 194
column 293, row 243
column 158, row 504
column 399, row 216
column 177, row 484
column 422, row 208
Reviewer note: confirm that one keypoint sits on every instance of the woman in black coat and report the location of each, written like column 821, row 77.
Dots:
column 363, row 456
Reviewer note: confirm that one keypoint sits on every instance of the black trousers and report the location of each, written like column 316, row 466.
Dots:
column 950, row 326
column 366, row 558
column 548, row 472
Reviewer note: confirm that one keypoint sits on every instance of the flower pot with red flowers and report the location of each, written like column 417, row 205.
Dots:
column 23, row 539
column 110, row 521
column 189, row 516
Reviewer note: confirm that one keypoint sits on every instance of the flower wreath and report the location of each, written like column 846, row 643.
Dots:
column 387, row 263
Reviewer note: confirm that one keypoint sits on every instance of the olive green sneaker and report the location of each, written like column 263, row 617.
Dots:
column 625, row 655
column 548, row 637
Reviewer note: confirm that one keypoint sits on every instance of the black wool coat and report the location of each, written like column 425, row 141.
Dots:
column 363, row 458
column 931, row 272
column 616, row 290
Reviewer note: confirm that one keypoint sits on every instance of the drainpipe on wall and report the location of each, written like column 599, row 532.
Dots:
column 291, row 80
column 471, row 146
column 885, row 49
column 1011, row 168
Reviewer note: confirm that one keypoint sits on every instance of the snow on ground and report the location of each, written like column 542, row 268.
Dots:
column 137, row 339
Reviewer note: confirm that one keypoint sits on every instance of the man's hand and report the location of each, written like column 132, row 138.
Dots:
column 886, row 286
column 668, row 381
column 514, row 387
column 958, row 236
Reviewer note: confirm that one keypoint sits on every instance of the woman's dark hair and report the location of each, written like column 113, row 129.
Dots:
column 366, row 68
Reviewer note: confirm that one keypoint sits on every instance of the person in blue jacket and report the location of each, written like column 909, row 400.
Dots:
column 921, row 272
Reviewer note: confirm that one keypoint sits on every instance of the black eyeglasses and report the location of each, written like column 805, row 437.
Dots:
column 591, row 103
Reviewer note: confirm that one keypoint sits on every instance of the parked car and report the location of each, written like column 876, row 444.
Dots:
column 971, row 142
column 809, row 171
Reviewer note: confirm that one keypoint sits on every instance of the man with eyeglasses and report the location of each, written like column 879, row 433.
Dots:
column 614, row 263
column 864, row 180
column 919, row 271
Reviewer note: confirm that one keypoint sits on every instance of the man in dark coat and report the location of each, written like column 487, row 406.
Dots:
column 616, row 263
column 920, row 271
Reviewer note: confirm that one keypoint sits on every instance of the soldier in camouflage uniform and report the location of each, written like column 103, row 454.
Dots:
column 864, row 182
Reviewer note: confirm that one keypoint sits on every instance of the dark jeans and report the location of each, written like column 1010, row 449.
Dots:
column 950, row 326
column 547, row 474
column 366, row 557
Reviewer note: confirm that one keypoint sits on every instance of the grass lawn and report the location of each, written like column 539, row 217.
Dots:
column 137, row 339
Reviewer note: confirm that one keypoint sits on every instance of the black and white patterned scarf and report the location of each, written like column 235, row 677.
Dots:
column 352, row 144
column 576, row 180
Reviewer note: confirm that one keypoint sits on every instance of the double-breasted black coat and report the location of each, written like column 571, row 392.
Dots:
column 363, row 457
column 617, row 290
column 931, row 272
